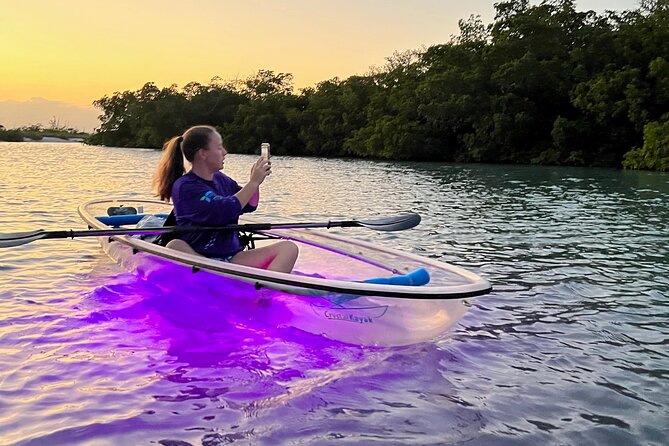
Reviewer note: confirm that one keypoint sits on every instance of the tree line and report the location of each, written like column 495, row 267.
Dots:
column 37, row 132
column 542, row 84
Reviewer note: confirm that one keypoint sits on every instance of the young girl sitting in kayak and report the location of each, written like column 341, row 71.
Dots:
column 206, row 197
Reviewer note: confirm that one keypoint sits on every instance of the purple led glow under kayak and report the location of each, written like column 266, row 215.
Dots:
column 325, row 295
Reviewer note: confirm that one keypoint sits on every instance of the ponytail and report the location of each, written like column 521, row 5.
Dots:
column 170, row 169
column 171, row 166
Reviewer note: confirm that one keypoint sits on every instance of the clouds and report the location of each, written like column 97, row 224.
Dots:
column 42, row 111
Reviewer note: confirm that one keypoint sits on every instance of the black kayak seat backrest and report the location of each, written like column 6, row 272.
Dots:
column 164, row 239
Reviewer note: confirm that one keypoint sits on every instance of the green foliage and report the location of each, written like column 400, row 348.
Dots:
column 542, row 84
column 654, row 154
column 36, row 132
column 10, row 135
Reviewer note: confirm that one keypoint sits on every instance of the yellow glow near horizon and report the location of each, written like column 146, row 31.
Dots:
column 76, row 51
column 79, row 51
column 72, row 53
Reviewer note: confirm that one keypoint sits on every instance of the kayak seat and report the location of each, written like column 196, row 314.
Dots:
column 164, row 239
column 246, row 238
column 121, row 210
column 117, row 221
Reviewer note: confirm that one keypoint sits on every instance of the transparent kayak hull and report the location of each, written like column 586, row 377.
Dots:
column 325, row 295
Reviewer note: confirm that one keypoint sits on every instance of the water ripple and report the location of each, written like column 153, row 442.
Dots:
column 570, row 348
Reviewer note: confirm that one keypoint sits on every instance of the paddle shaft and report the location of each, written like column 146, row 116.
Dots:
column 252, row 227
column 396, row 223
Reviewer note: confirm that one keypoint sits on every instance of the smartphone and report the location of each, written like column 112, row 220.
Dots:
column 264, row 150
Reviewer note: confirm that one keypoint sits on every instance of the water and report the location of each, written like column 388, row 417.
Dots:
column 570, row 348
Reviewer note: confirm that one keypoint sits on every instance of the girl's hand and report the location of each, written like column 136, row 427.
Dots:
column 260, row 170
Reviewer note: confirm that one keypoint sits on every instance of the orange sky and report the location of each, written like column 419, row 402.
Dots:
column 68, row 53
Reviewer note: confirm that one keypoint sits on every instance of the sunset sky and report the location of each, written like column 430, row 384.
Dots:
column 56, row 58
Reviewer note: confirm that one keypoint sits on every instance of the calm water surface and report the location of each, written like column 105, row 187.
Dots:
column 570, row 348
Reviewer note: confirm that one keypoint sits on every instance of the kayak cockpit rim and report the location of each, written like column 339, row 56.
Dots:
column 264, row 278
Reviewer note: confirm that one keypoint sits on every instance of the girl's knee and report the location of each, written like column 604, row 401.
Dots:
column 180, row 245
column 176, row 244
column 290, row 248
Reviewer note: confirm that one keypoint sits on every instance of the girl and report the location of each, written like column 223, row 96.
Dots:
column 206, row 197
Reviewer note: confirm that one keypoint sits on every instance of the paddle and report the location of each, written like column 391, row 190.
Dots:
column 395, row 223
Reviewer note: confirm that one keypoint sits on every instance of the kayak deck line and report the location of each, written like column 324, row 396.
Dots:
column 117, row 221
column 265, row 278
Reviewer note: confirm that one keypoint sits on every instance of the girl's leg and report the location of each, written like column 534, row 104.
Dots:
column 279, row 257
column 182, row 246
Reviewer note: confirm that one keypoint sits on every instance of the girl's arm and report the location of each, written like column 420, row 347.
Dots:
column 250, row 194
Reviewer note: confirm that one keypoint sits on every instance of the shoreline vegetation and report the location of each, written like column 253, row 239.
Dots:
column 37, row 133
column 542, row 84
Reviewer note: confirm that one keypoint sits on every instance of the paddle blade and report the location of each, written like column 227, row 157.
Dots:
column 396, row 223
column 20, row 238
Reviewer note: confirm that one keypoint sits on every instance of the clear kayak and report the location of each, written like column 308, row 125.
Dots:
column 329, row 292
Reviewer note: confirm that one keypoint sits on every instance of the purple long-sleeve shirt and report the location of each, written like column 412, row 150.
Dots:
column 198, row 202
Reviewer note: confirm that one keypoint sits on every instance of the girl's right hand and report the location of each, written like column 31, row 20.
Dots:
column 260, row 170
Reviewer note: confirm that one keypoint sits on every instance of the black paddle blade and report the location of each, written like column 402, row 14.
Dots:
column 20, row 238
column 396, row 223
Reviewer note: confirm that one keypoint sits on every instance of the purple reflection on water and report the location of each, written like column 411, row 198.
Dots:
column 194, row 359
column 218, row 361
column 203, row 317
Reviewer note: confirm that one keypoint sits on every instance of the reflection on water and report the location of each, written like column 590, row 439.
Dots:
column 569, row 349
